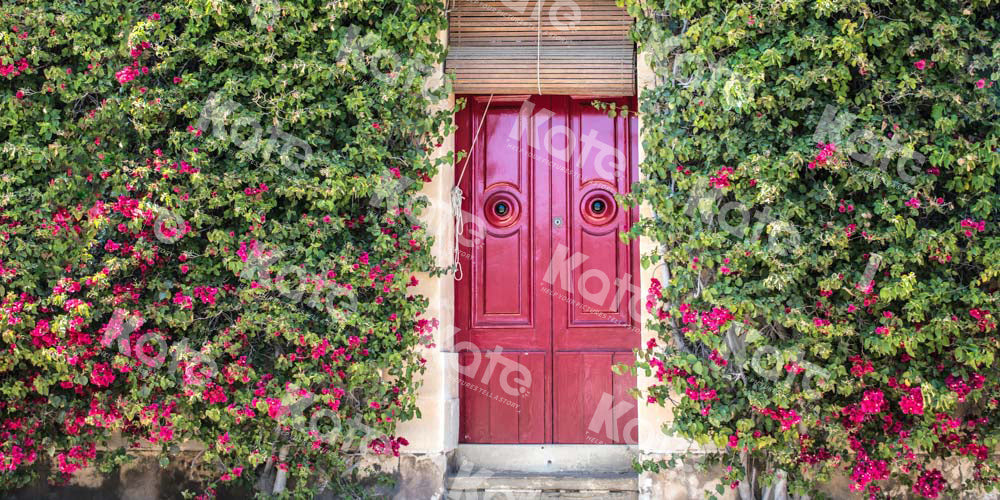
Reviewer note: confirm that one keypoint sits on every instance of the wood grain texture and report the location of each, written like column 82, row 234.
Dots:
column 535, row 350
column 545, row 47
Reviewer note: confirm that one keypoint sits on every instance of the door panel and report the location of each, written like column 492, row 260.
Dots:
column 502, row 397
column 500, row 312
column 593, row 406
column 502, row 197
column 600, row 284
column 542, row 310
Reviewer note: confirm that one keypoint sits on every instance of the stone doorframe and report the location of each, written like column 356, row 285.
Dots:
column 433, row 438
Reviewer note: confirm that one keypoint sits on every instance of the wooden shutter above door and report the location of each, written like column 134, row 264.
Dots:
column 541, row 47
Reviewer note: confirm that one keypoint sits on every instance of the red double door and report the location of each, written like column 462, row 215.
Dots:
column 547, row 302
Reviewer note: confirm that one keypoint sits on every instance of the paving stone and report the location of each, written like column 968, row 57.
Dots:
column 507, row 494
column 591, row 494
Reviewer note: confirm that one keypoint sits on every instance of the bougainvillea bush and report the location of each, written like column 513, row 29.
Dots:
column 825, row 182
column 205, row 233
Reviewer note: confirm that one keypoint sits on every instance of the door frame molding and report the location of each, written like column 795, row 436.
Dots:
column 435, row 433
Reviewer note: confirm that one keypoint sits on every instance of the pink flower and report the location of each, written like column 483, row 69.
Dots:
column 183, row 301
column 715, row 319
column 178, row 80
column 860, row 366
column 930, row 484
column 868, row 470
column 721, row 178
column 981, row 83
column 971, row 225
column 873, row 401
column 794, row 367
column 206, row 294
column 734, row 441
column 126, row 75
column 274, row 408
column 921, row 64
column 215, row 394
column 787, row 418
column 825, row 154
column 912, row 402
column 101, row 375
column 915, row 203
column 717, row 358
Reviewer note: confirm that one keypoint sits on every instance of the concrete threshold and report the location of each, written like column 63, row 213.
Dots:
column 545, row 458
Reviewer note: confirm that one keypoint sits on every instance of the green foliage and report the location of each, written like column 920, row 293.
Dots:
column 232, row 173
column 825, row 182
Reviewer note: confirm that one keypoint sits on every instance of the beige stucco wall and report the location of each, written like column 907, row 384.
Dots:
column 436, row 431
column 651, row 417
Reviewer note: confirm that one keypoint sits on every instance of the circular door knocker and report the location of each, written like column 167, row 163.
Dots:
column 598, row 207
column 502, row 209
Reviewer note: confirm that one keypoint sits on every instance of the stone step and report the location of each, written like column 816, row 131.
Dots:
column 539, row 495
column 522, row 486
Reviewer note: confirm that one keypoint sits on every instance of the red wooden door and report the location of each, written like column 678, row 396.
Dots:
column 548, row 301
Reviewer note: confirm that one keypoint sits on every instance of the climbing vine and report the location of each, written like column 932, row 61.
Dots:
column 824, row 182
column 208, row 233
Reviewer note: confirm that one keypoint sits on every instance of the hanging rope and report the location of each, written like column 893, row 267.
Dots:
column 538, row 47
column 457, row 196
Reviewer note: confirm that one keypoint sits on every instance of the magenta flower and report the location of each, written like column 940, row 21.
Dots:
column 101, row 375
column 126, row 75
column 912, row 402
column 734, row 441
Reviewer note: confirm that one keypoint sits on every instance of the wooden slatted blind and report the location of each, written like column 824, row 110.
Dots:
column 540, row 47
